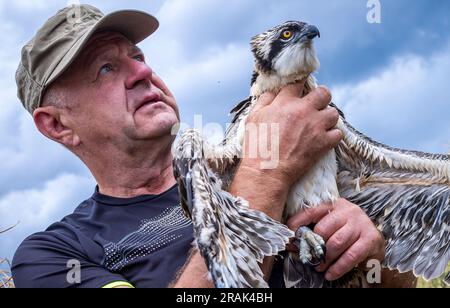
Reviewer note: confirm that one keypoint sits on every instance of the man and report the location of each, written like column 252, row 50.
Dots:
column 89, row 88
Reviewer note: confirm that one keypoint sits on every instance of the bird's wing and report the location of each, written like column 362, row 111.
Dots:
column 231, row 237
column 224, row 157
column 239, row 114
column 407, row 194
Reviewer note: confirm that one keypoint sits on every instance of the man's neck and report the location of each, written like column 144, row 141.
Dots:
column 126, row 176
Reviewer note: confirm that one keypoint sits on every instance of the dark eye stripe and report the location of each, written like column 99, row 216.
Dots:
column 277, row 46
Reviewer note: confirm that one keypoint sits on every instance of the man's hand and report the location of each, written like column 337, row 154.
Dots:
column 306, row 130
column 351, row 237
column 306, row 133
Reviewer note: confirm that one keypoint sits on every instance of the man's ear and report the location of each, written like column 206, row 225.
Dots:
column 51, row 123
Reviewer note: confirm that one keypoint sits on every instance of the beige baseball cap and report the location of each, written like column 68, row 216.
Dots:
column 56, row 45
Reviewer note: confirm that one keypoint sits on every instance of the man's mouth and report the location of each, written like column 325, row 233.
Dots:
column 149, row 100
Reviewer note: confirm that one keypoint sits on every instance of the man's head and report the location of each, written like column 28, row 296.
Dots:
column 88, row 86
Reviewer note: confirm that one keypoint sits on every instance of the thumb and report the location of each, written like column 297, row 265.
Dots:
column 294, row 89
column 309, row 216
column 264, row 100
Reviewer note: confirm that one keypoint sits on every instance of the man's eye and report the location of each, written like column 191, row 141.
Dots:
column 139, row 58
column 106, row 69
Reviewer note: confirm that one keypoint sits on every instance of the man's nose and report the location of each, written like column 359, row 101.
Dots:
column 140, row 73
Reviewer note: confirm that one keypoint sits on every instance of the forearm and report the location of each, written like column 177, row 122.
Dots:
column 194, row 274
column 264, row 193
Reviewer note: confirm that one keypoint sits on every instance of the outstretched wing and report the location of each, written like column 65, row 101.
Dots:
column 231, row 237
column 407, row 194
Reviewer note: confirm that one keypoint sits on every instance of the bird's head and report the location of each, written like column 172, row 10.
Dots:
column 286, row 50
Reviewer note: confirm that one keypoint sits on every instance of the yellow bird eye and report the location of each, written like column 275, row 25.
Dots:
column 287, row 35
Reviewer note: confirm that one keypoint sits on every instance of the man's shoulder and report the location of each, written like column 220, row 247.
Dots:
column 63, row 234
column 59, row 235
column 43, row 252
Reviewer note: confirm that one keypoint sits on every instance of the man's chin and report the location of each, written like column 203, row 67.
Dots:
column 163, row 125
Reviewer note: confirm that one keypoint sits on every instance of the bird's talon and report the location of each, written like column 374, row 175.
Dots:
column 315, row 264
column 311, row 247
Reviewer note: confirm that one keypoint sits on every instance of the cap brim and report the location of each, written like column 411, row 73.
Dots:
column 134, row 25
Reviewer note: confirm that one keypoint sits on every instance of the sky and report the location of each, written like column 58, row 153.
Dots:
column 390, row 78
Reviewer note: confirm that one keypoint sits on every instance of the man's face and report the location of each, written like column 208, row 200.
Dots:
column 114, row 96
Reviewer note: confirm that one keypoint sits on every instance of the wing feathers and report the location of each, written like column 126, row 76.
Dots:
column 406, row 193
column 435, row 164
column 231, row 237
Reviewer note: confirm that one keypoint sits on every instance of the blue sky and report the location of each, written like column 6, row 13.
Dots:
column 391, row 79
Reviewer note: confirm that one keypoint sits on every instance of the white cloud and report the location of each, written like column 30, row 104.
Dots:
column 27, row 158
column 405, row 104
column 209, row 83
column 34, row 206
column 38, row 207
column 224, row 65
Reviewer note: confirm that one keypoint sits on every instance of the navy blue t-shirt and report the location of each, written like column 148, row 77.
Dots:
column 144, row 241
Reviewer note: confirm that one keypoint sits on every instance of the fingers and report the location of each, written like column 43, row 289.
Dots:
column 334, row 137
column 263, row 101
column 319, row 98
column 337, row 244
column 286, row 94
column 330, row 117
column 330, row 224
column 351, row 245
column 293, row 90
column 355, row 255
column 309, row 216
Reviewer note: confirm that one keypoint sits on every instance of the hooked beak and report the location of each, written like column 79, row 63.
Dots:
column 309, row 33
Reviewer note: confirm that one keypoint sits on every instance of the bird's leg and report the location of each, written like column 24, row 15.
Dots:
column 311, row 246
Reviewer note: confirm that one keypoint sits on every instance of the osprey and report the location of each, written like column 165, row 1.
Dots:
column 405, row 193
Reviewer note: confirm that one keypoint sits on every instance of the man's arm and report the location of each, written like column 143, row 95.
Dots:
column 194, row 274
column 55, row 259
column 306, row 132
